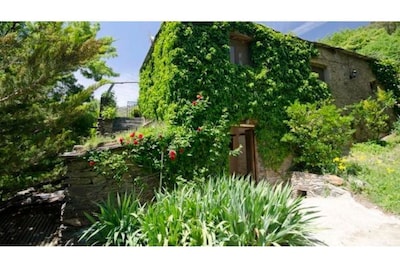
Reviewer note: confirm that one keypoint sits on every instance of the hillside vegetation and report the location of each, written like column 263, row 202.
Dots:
column 380, row 40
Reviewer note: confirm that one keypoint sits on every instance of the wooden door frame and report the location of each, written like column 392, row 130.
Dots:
column 250, row 147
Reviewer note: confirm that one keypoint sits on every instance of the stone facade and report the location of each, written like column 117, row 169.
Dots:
column 349, row 75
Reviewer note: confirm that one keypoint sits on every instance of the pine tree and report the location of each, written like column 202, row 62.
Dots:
column 42, row 107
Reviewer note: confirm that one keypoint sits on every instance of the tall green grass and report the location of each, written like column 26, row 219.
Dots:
column 225, row 211
column 378, row 166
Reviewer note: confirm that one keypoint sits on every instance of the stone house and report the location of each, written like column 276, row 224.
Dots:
column 348, row 75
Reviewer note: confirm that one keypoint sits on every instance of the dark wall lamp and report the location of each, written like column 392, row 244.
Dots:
column 353, row 74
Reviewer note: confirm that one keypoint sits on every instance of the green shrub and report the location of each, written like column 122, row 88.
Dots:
column 225, row 211
column 109, row 113
column 136, row 112
column 371, row 117
column 107, row 163
column 318, row 134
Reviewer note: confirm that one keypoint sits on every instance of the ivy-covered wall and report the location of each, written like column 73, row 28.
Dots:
column 190, row 58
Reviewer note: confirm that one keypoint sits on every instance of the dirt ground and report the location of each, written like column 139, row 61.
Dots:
column 346, row 221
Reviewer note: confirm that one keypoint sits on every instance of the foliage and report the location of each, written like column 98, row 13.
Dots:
column 188, row 58
column 135, row 112
column 379, row 170
column 396, row 127
column 109, row 113
column 224, row 211
column 108, row 99
column 380, row 40
column 116, row 224
column 371, row 118
column 318, row 134
column 108, row 164
column 42, row 108
column 189, row 146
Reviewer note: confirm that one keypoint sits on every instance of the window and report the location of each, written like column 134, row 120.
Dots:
column 239, row 49
column 320, row 70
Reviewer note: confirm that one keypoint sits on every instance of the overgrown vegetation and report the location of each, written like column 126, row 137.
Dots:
column 43, row 110
column 375, row 165
column 188, row 58
column 189, row 146
column 223, row 211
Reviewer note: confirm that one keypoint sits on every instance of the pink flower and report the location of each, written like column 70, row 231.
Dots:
column 135, row 142
column 194, row 103
column 92, row 163
column 199, row 129
column 199, row 97
column 140, row 136
column 132, row 135
column 121, row 140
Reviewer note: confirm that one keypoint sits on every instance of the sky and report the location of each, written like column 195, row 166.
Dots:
column 132, row 41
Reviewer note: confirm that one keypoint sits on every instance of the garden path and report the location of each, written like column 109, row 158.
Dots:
column 346, row 221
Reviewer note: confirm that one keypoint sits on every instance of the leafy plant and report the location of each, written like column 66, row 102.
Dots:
column 371, row 118
column 224, row 211
column 109, row 113
column 318, row 134
column 117, row 223
column 108, row 164
column 44, row 111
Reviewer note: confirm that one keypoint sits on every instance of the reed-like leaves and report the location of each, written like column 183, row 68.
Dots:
column 225, row 211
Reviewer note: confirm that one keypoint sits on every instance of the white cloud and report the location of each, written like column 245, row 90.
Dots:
column 307, row 26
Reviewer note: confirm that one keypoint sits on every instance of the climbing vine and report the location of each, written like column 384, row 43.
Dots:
column 188, row 58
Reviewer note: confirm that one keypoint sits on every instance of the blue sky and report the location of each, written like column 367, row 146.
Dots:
column 132, row 41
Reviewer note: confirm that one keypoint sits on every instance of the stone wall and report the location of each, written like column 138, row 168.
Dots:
column 348, row 74
column 86, row 188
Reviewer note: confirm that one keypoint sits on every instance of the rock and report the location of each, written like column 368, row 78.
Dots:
column 78, row 148
column 333, row 179
column 312, row 185
column 73, row 222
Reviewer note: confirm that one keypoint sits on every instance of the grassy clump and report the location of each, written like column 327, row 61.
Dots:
column 226, row 211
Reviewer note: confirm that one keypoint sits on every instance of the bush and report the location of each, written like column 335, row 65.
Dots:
column 109, row 113
column 225, row 211
column 136, row 112
column 318, row 134
column 371, row 117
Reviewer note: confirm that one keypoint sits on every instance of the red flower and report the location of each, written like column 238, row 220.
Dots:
column 199, row 97
column 140, row 136
column 181, row 150
column 135, row 142
column 194, row 103
column 92, row 163
column 172, row 154
column 121, row 140
column 132, row 135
